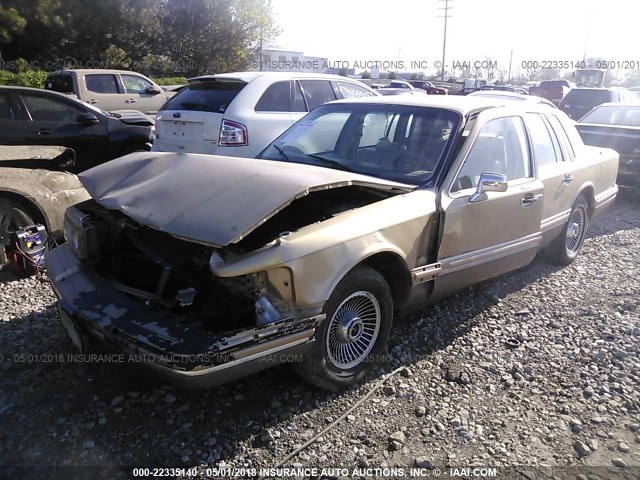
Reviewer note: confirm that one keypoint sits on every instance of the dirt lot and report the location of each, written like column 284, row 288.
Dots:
column 538, row 367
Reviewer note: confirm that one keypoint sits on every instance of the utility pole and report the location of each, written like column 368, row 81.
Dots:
column 510, row 60
column 446, row 16
column 261, row 33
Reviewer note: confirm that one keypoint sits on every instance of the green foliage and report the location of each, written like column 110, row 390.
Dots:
column 23, row 78
column 156, row 37
column 117, row 58
column 170, row 80
column 10, row 23
column 6, row 77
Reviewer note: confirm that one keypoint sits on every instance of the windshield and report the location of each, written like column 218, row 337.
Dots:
column 396, row 142
column 629, row 116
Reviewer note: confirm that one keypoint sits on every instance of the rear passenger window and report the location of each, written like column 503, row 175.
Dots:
column 317, row 92
column 59, row 83
column 6, row 112
column 351, row 90
column 275, row 98
column 545, row 146
column 575, row 141
column 560, row 132
column 102, row 83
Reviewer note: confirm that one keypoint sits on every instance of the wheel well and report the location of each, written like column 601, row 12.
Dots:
column 394, row 270
column 587, row 193
column 29, row 206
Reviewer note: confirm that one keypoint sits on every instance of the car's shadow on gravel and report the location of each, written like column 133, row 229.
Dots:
column 56, row 409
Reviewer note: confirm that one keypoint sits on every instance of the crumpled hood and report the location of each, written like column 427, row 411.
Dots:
column 209, row 199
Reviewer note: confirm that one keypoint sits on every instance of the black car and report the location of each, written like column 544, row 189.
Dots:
column 579, row 101
column 30, row 116
column 617, row 126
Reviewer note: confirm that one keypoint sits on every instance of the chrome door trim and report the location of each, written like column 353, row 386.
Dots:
column 490, row 254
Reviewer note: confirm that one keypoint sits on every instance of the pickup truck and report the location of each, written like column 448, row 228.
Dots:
column 110, row 89
column 554, row 90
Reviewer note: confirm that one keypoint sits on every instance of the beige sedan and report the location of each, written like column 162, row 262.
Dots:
column 214, row 267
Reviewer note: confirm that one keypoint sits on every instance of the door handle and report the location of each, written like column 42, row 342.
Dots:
column 92, row 101
column 567, row 179
column 131, row 100
column 530, row 199
column 43, row 131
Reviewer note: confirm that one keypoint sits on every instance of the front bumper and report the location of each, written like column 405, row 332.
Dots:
column 94, row 313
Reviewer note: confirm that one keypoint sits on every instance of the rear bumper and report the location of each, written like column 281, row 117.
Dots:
column 205, row 147
column 94, row 314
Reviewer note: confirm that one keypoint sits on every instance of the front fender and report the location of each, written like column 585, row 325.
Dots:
column 50, row 192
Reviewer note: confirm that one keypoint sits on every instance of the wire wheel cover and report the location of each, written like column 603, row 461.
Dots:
column 353, row 330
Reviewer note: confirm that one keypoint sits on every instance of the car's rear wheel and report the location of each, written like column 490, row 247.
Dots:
column 354, row 335
column 13, row 216
column 566, row 247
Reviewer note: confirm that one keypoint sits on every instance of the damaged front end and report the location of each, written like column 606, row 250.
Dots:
column 144, row 292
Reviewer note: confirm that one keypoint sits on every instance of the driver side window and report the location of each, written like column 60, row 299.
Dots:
column 500, row 147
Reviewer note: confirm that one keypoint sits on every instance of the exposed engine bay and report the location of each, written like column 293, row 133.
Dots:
column 173, row 277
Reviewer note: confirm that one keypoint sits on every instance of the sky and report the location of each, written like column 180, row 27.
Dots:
column 412, row 30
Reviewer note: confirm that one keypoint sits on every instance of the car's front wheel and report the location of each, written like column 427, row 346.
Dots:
column 566, row 247
column 354, row 335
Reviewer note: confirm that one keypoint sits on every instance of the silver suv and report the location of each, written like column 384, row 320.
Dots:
column 238, row 114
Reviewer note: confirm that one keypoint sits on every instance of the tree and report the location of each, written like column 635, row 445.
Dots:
column 174, row 37
column 10, row 23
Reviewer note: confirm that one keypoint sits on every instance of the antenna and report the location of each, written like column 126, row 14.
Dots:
column 446, row 16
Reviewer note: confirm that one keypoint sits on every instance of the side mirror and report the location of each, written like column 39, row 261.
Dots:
column 489, row 182
column 153, row 90
column 87, row 118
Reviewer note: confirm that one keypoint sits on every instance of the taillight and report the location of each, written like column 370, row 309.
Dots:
column 233, row 134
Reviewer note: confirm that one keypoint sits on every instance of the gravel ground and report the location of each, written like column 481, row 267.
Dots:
column 537, row 367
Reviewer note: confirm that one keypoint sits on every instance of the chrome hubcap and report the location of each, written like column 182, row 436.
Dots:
column 353, row 330
column 575, row 229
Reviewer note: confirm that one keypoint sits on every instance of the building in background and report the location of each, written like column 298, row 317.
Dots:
column 290, row 61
